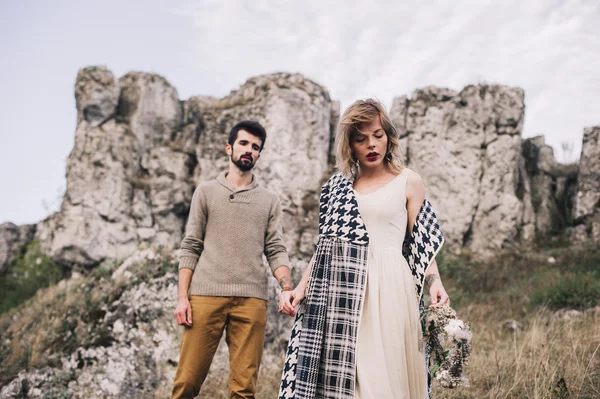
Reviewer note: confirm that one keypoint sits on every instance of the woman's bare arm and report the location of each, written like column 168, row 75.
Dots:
column 415, row 195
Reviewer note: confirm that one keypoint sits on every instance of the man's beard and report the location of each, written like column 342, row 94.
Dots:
column 243, row 166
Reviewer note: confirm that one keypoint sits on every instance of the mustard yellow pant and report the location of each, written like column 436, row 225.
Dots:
column 244, row 320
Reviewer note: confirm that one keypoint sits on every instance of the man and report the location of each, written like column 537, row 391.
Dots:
column 222, row 279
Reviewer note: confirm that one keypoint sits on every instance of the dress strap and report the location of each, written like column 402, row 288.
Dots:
column 402, row 179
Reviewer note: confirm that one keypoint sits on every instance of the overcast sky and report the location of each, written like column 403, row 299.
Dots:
column 550, row 48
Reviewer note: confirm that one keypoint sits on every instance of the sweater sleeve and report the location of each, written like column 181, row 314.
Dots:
column 193, row 242
column 275, row 250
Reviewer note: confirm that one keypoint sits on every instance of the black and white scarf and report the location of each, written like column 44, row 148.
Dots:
column 320, row 359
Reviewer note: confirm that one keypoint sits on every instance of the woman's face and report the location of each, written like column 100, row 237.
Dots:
column 370, row 146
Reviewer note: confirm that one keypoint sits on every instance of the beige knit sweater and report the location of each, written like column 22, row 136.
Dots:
column 226, row 235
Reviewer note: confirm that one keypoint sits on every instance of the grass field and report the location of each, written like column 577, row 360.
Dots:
column 555, row 354
column 550, row 294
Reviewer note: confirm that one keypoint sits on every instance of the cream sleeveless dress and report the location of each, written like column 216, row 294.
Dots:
column 388, row 361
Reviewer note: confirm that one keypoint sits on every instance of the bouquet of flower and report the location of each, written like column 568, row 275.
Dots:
column 449, row 341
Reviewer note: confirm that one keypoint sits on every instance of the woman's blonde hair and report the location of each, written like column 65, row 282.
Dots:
column 356, row 116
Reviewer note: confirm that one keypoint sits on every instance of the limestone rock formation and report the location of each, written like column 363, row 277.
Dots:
column 139, row 152
column 467, row 148
column 125, row 185
column 12, row 240
column 96, row 95
column 540, row 164
column 551, row 187
column 123, row 343
column 587, row 206
column 566, row 193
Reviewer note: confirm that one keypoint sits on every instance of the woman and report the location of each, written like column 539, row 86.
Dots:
column 357, row 332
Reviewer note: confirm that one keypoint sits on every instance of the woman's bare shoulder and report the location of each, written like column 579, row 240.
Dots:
column 413, row 178
column 415, row 188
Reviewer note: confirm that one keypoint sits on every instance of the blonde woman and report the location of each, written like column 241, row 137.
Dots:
column 357, row 329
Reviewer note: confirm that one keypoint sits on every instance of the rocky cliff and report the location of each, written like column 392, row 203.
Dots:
column 467, row 148
column 139, row 152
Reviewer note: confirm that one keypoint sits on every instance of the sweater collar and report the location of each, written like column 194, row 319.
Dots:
column 222, row 179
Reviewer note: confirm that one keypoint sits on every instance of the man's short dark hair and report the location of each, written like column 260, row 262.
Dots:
column 252, row 127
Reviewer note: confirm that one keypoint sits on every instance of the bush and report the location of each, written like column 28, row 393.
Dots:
column 26, row 275
column 577, row 291
column 524, row 279
column 579, row 284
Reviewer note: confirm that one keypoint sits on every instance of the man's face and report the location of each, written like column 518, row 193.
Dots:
column 245, row 150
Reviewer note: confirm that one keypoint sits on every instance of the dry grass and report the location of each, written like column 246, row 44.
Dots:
column 552, row 357
column 527, row 364
column 215, row 386
column 63, row 317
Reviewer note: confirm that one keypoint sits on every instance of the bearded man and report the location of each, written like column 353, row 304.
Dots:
column 222, row 280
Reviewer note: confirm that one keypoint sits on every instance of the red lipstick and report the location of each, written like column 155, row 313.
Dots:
column 372, row 156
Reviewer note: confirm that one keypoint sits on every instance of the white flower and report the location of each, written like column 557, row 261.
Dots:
column 454, row 327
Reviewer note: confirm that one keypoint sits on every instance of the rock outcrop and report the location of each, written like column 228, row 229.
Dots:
column 13, row 238
column 467, row 148
column 552, row 187
column 125, row 185
column 297, row 115
column 587, row 205
column 122, row 343
column 139, row 153
column 110, row 334
column 540, row 164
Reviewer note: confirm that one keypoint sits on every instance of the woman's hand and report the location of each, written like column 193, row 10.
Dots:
column 439, row 296
column 288, row 300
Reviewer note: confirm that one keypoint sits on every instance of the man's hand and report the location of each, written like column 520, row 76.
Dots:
column 439, row 296
column 288, row 300
column 183, row 312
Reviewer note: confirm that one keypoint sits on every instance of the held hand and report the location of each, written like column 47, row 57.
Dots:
column 183, row 312
column 439, row 296
column 288, row 300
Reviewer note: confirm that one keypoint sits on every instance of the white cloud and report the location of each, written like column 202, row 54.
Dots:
column 386, row 49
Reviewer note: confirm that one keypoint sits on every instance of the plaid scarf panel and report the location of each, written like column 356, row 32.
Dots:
column 320, row 360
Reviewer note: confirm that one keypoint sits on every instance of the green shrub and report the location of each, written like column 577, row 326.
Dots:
column 524, row 279
column 583, row 261
column 578, row 291
column 26, row 275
